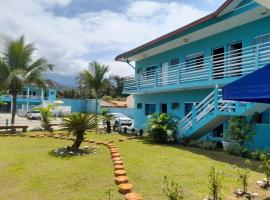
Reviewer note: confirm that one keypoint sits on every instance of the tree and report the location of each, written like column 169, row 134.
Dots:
column 18, row 68
column 94, row 78
column 78, row 123
column 46, row 114
column 119, row 85
column 172, row 190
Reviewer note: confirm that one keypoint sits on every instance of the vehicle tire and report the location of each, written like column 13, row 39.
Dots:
column 39, row 118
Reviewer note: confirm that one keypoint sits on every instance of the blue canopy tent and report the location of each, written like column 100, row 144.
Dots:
column 254, row 87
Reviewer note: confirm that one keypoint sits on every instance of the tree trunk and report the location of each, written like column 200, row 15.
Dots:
column 96, row 113
column 14, row 106
column 108, row 126
column 77, row 143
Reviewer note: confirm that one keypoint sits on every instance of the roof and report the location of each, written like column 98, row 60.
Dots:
column 119, row 103
column 177, row 31
column 50, row 83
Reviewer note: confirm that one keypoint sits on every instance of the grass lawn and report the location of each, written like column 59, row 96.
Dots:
column 27, row 171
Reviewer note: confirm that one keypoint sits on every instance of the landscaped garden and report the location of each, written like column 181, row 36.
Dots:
column 29, row 170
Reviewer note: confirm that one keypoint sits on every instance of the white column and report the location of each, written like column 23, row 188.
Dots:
column 27, row 102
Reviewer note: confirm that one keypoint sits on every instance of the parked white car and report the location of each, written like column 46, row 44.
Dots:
column 121, row 120
column 34, row 114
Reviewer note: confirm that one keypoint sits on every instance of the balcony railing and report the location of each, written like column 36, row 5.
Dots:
column 227, row 65
column 20, row 96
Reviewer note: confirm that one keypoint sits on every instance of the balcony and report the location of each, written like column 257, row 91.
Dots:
column 203, row 72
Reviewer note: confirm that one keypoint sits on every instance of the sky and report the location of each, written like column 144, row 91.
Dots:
column 72, row 33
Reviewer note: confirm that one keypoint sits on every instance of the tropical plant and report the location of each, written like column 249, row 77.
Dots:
column 94, row 78
column 17, row 68
column 163, row 128
column 172, row 190
column 265, row 167
column 215, row 178
column 77, row 124
column 46, row 114
column 107, row 118
column 1, row 102
column 241, row 129
column 243, row 176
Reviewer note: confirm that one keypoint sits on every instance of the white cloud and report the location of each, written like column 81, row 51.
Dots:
column 71, row 43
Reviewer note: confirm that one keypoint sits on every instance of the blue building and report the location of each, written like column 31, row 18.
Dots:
column 183, row 72
column 30, row 97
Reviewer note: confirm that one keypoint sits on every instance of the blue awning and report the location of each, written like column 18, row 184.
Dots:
column 254, row 87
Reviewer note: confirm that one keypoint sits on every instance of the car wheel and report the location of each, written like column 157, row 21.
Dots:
column 116, row 125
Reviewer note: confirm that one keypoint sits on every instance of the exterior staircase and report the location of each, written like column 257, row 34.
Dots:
column 212, row 111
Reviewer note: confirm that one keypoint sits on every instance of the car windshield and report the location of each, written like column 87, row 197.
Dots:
column 119, row 115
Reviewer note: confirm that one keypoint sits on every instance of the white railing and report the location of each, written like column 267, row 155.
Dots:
column 213, row 105
column 226, row 65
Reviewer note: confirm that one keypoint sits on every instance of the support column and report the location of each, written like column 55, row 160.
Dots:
column 27, row 101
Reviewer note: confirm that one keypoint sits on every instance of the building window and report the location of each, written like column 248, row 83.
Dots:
column 34, row 93
column 150, row 71
column 150, row 109
column 195, row 61
column 188, row 107
column 175, row 106
column 175, row 61
column 139, row 106
column 52, row 93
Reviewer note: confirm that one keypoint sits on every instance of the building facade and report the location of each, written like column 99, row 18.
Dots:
column 183, row 72
column 30, row 96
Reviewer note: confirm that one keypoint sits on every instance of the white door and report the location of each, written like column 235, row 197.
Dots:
column 164, row 68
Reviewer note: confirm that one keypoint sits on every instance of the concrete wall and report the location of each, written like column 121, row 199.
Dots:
column 180, row 97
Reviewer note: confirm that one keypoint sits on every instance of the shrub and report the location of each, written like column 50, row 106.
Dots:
column 172, row 190
column 240, row 129
column 163, row 128
column 243, row 176
column 208, row 145
column 265, row 167
column 46, row 115
column 107, row 98
column 215, row 178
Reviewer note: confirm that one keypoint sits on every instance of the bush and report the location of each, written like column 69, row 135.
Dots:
column 107, row 98
column 243, row 176
column 215, row 178
column 172, row 190
column 163, row 128
column 237, row 150
column 265, row 166
column 208, row 145
column 240, row 129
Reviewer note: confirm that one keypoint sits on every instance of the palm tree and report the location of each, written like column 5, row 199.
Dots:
column 94, row 77
column 78, row 123
column 17, row 68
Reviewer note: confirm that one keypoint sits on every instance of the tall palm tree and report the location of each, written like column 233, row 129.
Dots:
column 95, row 79
column 17, row 68
column 78, row 123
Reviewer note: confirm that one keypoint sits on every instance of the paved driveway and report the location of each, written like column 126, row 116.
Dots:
column 33, row 124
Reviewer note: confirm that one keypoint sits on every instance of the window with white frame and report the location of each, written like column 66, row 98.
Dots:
column 195, row 61
column 150, row 109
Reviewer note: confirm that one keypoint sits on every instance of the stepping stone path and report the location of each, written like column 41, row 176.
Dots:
column 121, row 179
column 125, row 188
column 120, row 172
column 115, row 155
column 117, row 167
column 133, row 196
